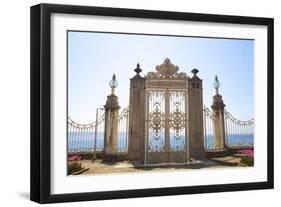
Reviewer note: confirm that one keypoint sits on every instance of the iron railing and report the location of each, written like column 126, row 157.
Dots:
column 238, row 134
column 85, row 138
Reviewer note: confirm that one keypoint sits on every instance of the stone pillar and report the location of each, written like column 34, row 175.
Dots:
column 195, row 117
column 137, row 117
column 111, row 121
column 218, row 118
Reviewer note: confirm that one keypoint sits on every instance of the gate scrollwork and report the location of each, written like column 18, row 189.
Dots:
column 156, row 121
column 177, row 120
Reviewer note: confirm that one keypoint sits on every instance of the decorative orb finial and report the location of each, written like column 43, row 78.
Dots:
column 216, row 84
column 138, row 69
column 113, row 83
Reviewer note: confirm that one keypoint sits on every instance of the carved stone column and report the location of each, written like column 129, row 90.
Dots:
column 137, row 104
column 218, row 118
column 111, row 121
column 195, row 122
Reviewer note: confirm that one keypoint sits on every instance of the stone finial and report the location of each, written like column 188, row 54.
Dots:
column 138, row 69
column 195, row 71
column 167, row 68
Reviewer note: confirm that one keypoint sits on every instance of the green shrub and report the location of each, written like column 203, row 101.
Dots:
column 247, row 160
column 99, row 156
column 73, row 167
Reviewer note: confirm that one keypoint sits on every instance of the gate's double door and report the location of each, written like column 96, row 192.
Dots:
column 166, row 123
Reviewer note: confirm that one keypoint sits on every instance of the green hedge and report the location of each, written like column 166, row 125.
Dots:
column 247, row 160
column 73, row 166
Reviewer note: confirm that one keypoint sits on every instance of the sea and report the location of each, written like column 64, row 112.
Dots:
column 85, row 140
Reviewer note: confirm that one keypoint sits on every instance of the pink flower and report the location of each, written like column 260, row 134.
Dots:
column 248, row 152
column 74, row 157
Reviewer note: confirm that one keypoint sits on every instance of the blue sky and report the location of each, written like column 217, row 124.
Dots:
column 94, row 57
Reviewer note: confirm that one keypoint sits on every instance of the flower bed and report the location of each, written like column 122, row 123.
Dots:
column 247, row 152
column 247, row 157
column 74, row 157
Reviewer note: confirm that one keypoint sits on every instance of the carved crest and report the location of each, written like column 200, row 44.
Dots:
column 166, row 70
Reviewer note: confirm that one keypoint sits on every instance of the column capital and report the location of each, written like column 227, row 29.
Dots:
column 217, row 102
column 112, row 102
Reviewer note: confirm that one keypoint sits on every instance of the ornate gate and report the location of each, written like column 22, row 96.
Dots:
column 166, row 119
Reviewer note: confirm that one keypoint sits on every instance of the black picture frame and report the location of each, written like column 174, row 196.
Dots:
column 41, row 102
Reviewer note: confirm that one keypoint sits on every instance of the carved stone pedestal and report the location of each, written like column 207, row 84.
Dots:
column 111, row 122
column 218, row 120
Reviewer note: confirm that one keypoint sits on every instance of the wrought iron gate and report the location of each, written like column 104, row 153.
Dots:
column 166, row 123
column 166, row 120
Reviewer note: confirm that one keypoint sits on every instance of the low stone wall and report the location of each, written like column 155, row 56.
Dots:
column 212, row 154
column 225, row 152
column 115, row 157
column 100, row 155
column 157, row 157
column 235, row 150
column 85, row 155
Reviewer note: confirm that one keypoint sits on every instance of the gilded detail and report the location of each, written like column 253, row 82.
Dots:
column 166, row 70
